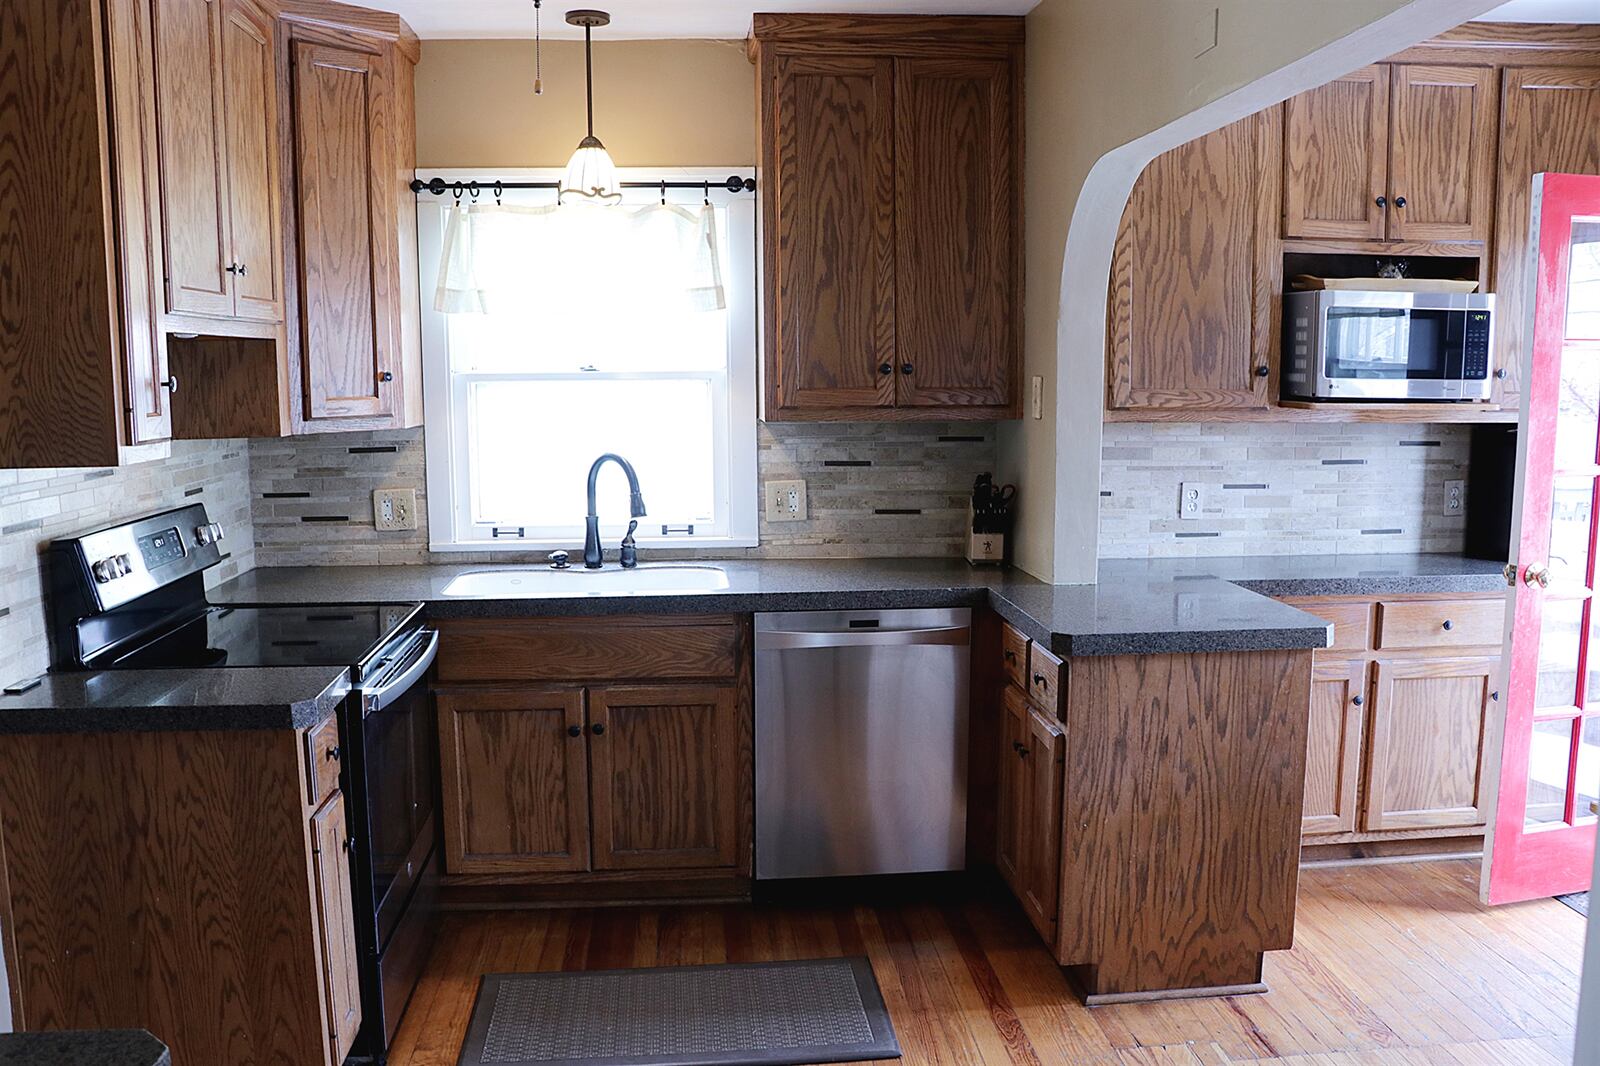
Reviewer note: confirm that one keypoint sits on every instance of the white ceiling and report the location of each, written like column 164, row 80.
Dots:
column 653, row 18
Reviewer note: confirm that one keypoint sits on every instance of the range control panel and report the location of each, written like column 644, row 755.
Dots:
column 122, row 563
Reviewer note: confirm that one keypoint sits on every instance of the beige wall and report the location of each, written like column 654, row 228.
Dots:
column 657, row 103
column 1109, row 87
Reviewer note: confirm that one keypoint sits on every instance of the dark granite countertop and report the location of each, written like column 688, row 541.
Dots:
column 267, row 697
column 107, row 1047
column 1137, row 606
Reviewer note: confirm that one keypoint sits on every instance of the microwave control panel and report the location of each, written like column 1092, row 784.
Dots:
column 1475, row 350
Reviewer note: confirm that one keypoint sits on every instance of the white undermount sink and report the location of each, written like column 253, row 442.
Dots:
column 576, row 581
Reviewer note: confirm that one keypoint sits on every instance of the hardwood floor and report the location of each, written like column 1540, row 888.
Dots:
column 1393, row 965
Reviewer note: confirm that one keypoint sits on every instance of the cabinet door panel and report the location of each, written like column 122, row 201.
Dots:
column 1184, row 331
column 1335, row 157
column 955, row 233
column 194, row 205
column 1549, row 121
column 515, row 780
column 330, row 840
column 250, row 119
column 1046, row 754
column 667, row 788
column 831, row 266
column 1013, row 807
column 1333, row 749
column 1441, row 159
column 1425, row 768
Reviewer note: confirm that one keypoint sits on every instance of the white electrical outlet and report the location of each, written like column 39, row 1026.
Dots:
column 394, row 509
column 1036, row 395
column 786, row 501
column 1191, row 500
column 1455, row 498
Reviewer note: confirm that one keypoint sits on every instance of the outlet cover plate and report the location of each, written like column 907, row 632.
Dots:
column 394, row 510
column 1455, row 498
column 1191, row 500
column 786, row 501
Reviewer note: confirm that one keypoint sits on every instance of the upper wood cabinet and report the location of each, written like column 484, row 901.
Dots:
column 1391, row 152
column 1190, row 318
column 891, row 160
column 1550, row 121
column 216, row 113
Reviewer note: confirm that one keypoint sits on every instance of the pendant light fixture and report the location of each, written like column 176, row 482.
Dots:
column 591, row 175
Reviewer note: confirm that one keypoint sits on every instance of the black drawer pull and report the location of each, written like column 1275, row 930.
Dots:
column 1449, row 624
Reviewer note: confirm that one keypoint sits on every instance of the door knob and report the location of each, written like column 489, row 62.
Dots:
column 1537, row 574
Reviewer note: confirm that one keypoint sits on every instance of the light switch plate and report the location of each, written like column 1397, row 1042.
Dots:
column 786, row 501
column 1191, row 500
column 394, row 510
column 1455, row 498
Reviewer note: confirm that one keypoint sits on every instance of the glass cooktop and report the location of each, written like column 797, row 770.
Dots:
column 265, row 636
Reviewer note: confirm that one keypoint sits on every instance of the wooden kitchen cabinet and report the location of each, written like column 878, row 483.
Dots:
column 331, row 877
column 1429, row 722
column 1334, row 746
column 216, row 114
column 1011, row 815
column 1190, row 318
column 1032, row 754
column 1391, row 152
column 891, row 151
column 515, row 780
column 665, row 783
column 578, row 753
column 1549, row 122
column 354, row 343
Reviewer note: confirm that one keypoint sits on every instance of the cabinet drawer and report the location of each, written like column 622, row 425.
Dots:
column 323, row 757
column 1351, row 619
column 1014, row 655
column 538, row 649
column 1044, row 679
column 1440, row 623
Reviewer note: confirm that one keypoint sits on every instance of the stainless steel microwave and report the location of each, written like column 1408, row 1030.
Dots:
column 1342, row 344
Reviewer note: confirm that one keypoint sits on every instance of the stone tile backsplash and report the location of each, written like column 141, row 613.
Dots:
column 873, row 490
column 39, row 505
column 1294, row 489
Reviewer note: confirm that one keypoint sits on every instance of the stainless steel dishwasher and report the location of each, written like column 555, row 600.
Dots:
column 861, row 742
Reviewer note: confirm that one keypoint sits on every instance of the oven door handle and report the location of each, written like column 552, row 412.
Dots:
column 392, row 688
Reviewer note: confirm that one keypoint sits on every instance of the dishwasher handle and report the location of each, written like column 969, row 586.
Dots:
column 790, row 639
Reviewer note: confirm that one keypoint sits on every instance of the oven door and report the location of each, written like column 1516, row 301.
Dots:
column 1393, row 353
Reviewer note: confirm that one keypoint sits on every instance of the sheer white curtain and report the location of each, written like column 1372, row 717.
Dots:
column 550, row 262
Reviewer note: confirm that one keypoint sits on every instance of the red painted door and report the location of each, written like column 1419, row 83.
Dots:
column 1542, row 837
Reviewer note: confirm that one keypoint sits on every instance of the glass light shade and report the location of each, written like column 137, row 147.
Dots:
column 591, row 175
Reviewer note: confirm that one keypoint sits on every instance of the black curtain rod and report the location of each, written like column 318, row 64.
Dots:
column 438, row 186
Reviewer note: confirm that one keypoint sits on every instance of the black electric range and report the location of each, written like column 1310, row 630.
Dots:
column 132, row 596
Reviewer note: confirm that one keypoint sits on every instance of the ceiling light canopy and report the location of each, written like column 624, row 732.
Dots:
column 591, row 175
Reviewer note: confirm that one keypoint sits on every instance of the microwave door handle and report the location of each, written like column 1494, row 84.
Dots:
column 381, row 696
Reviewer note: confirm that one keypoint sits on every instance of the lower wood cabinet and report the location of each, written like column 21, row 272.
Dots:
column 330, row 859
column 1429, row 719
column 1033, row 750
column 1333, row 750
column 551, row 776
column 516, row 780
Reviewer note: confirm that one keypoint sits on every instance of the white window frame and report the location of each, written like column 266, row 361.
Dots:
column 450, row 527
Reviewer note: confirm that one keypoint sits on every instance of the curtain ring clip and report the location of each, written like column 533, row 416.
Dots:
column 498, row 189
column 472, row 187
column 456, row 190
column 663, row 193
column 708, row 194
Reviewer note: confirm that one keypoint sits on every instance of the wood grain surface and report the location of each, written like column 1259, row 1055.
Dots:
column 1549, row 121
column 667, row 776
column 1190, row 314
column 1043, row 756
column 1442, row 143
column 1336, row 158
column 1441, row 624
column 250, row 125
column 587, row 649
column 515, row 780
column 1334, row 746
column 228, row 387
column 161, row 881
column 330, row 865
column 60, row 350
column 1395, row 965
column 1185, row 777
column 1429, row 724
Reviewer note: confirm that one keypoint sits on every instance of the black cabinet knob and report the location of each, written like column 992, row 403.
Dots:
column 1038, row 679
column 574, row 730
column 1495, row 696
column 1399, row 201
column 1262, row 371
column 349, row 845
column 1500, row 374
column 1449, row 624
column 1015, row 746
column 597, row 728
column 886, row 368
column 1011, row 656
column 1382, row 201
column 905, row 368
column 386, row 376
column 171, row 384
column 1358, row 700
column 1022, row 752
